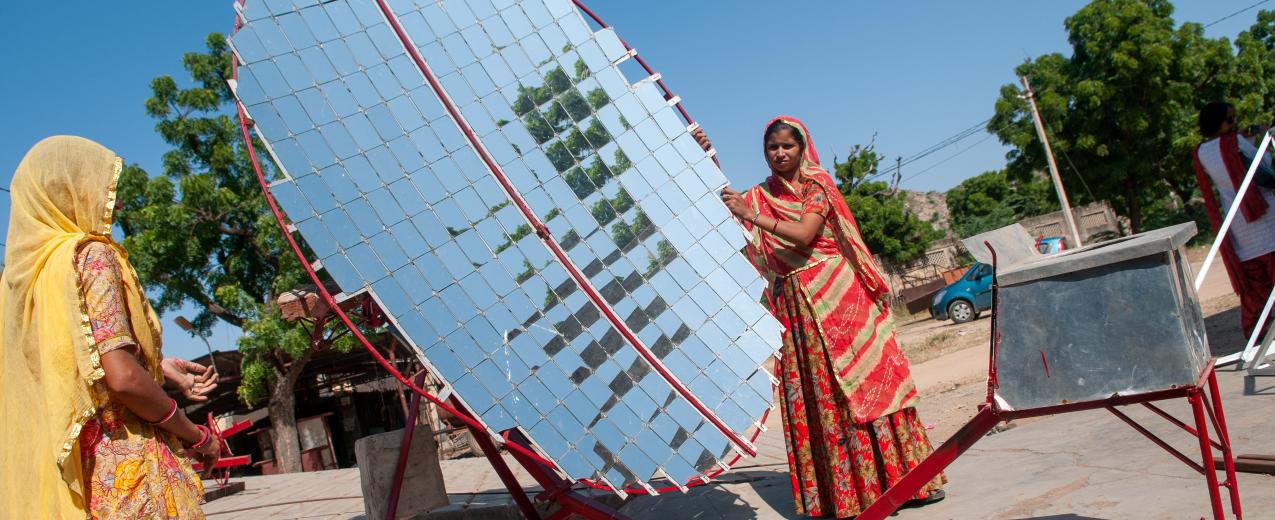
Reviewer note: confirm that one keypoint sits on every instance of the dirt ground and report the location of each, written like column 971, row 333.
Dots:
column 925, row 338
column 956, row 354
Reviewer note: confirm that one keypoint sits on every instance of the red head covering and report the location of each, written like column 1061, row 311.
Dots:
column 841, row 219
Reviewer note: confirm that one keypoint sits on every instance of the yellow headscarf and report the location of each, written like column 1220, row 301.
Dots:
column 63, row 196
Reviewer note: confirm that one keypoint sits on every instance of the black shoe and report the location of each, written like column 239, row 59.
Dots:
column 934, row 496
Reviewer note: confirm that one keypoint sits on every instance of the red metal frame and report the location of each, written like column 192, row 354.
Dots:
column 990, row 414
column 522, row 451
column 557, row 490
column 404, row 448
column 221, row 469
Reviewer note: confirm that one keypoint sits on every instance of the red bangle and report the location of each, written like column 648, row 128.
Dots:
column 205, row 436
column 171, row 412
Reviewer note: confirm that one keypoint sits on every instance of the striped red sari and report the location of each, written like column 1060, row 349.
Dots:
column 847, row 394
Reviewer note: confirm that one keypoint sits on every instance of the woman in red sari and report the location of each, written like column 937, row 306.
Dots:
column 847, row 398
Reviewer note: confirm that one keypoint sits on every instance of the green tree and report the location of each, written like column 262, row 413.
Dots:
column 1122, row 107
column 1253, row 87
column 200, row 233
column 888, row 228
column 992, row 200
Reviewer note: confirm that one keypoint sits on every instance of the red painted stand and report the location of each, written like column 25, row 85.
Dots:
column 990, row 414
column 557, row 490
column 221, row 470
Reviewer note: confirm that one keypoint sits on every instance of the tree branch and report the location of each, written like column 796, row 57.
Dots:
column 298, row 365
column 191, row 291
column 227, row 230
column 277, row 362
column 216, row 310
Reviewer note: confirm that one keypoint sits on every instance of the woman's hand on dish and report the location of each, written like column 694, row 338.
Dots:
column 702, row 139
column 735, row 203
column 193, row 379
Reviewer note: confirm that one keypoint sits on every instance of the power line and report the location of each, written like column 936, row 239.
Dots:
column 937, row 164
column 952, row 140
column 1233, row 15
column 930, row 150
column 948, row 158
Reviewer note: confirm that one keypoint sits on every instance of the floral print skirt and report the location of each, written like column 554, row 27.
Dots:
column 132, row 471
column 838, row 467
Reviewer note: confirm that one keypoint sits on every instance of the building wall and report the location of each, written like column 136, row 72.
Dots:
column 1094, row 221
column 915, row 279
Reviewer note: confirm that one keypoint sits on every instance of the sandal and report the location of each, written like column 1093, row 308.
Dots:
column 933, row 497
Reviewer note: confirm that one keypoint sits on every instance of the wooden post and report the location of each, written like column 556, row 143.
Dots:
column 1053, row 167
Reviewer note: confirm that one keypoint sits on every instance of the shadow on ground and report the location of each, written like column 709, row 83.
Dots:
column 1225, row 336
column 730, row 498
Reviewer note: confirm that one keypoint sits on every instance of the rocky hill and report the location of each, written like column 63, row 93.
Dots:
column 929, row 206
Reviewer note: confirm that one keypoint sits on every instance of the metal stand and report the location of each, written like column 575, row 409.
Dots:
column 990, row 414
column 557, row 490
column 404, row 448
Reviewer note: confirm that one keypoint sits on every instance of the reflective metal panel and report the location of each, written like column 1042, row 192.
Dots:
column 424, row 208
column 1118, row 317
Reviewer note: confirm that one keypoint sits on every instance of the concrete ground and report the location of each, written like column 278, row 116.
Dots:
column 1081, row 466
column 1078, row 466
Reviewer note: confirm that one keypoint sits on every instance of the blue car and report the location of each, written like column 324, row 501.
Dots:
column 965, row 298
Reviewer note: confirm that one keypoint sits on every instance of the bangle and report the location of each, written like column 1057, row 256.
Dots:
column 775, row 228
column 171, row 412
column 756, row 215
column 205, row 435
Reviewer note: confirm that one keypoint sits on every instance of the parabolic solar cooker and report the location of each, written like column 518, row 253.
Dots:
column 542, row 229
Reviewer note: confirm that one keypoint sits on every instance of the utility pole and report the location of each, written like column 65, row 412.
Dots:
column 898, row 175
column 1053, row 167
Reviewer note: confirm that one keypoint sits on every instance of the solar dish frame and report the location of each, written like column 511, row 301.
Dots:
column 310, row 267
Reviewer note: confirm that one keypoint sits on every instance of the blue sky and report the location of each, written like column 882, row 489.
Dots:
column 912, row 75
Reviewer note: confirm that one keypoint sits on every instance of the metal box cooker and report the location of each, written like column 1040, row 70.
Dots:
column 1117, row 317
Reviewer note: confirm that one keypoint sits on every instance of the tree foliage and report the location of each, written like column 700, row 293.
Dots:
column 888, row 228
column 201, row 233
column 1122, row 107
column 992, row 200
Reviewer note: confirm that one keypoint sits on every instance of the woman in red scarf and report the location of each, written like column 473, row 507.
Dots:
column 847, row 397
column 1248, row 251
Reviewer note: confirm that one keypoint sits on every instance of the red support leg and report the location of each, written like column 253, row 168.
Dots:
column 557, row 490
column 502, row 469
column 1232, row 482
column 1159, row 442
column 1176, row 422
column 404, row 448
column 910, row 484
column 1206, row 453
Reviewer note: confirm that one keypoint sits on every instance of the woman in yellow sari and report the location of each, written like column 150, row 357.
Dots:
column 85, row 428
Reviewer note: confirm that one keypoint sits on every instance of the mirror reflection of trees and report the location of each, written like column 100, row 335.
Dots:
column 557, row 115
